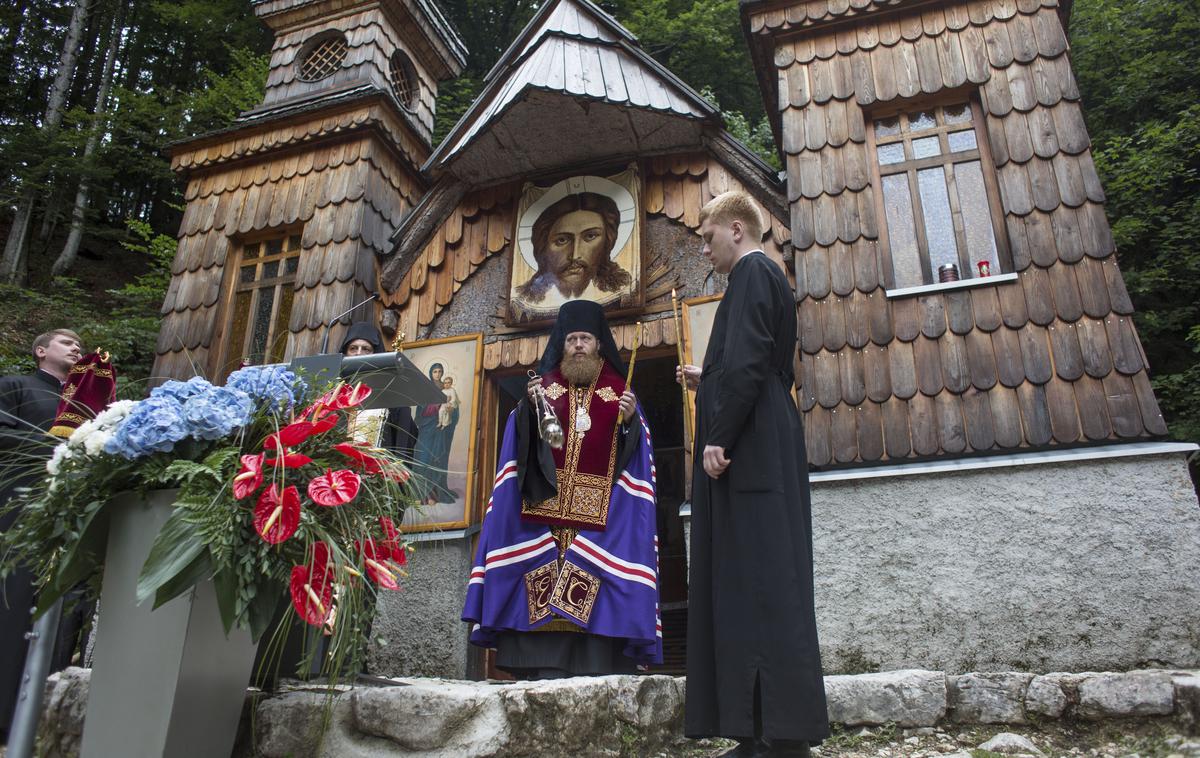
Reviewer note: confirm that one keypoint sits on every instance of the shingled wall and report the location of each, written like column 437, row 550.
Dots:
column 331, row 176
column 1050, row 359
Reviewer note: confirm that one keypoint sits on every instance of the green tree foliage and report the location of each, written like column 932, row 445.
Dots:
column 1138, row 67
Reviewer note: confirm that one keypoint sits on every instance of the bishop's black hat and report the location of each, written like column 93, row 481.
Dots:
column 580, row 316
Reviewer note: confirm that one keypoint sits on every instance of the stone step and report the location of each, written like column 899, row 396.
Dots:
column 636, row 715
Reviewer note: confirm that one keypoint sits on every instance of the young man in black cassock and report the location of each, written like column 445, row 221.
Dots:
column 28, row 405
column 753, row 665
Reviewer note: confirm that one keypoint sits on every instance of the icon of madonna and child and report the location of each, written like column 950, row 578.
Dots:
column 441, row 455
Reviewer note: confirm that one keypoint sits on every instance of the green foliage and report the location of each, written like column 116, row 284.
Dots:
column 1138, row 68
column 701, row 42
column 454, row 97
column 758, row 137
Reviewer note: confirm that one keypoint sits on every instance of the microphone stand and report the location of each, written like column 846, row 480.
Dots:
column 335, row 319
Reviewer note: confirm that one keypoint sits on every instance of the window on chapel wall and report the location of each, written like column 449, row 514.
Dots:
column 262, row 301
column 938, row 192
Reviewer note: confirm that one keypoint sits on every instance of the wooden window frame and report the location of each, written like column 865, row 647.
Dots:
column 330, row 66
column 400, row 63
column 981, row 153
column 230, row 354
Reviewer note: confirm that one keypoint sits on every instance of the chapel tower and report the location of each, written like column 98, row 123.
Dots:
column 287, row 210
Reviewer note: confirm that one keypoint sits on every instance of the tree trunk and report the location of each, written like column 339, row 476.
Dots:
column 13, row 266
column 67, row 257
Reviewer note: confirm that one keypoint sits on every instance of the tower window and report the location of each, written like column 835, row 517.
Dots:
column 323, row 57
column 406, row 85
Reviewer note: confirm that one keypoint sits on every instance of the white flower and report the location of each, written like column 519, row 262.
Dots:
column 62, row 453
column 92, row 435
column 95, row 442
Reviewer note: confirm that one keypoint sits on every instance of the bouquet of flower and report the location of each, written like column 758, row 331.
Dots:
column 272, row 501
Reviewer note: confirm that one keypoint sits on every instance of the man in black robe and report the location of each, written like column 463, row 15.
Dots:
column 753, row 665
column 28, row 405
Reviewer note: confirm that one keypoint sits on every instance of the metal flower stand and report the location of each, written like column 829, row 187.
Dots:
column 166, row 682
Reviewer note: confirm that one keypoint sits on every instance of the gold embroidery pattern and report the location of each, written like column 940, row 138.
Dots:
column 539, row 586
column 104, row 373
column 555, row 391
column 563, row 537
column 586, row 496
column 575, row 592
column 607, row 395
column 589, row 498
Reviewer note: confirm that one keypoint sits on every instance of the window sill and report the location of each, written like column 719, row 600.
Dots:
column 924, row 289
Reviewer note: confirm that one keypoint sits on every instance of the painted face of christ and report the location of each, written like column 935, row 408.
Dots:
column 572, row 244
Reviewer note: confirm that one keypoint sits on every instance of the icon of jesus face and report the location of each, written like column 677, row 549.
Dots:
column 572, row 243
column 575, row 247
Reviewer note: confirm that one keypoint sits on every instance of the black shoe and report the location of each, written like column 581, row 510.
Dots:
column 786, row 749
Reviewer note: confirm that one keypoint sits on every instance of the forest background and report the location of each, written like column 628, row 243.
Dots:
column 93, row 91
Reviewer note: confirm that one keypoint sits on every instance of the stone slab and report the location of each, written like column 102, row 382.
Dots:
column 907, row 698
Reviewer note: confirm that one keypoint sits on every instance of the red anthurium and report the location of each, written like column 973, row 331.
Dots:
column 290, row 435
column 349, row 396
column 325, row 423
column 392, row 541
column 291, row 460
column 250, row 477
column 311, row 588
column 378, row 561
column 334, row 487
column 277, row 516
column 358, row 454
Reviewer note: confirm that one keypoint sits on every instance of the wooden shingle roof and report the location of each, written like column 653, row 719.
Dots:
column 571, row 49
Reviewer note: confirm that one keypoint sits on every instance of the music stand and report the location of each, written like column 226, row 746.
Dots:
column 394, row 380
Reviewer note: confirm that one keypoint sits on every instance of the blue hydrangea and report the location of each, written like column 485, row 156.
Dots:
column 274, row 385
column 217, row 413
column 153, row 426
column 182, row 391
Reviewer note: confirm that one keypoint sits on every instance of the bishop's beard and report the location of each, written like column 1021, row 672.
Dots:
column 581, row 369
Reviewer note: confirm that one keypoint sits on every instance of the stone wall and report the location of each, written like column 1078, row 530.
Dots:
column 417, row 631
column 1091, row 565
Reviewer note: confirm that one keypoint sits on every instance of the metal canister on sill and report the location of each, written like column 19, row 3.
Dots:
column 948, row 273
column 985, row 268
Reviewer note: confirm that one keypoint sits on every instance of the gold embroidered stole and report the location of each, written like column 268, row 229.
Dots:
column 585, row 466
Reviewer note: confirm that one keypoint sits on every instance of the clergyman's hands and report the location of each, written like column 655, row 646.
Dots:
column 533, row 384
column 715, row 461
column 688, row 373
column 628, row 405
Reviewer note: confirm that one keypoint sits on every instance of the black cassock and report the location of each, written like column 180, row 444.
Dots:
column 28, row 405
column 750, row 593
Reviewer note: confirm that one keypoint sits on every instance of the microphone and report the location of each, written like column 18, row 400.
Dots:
column 335, row 319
